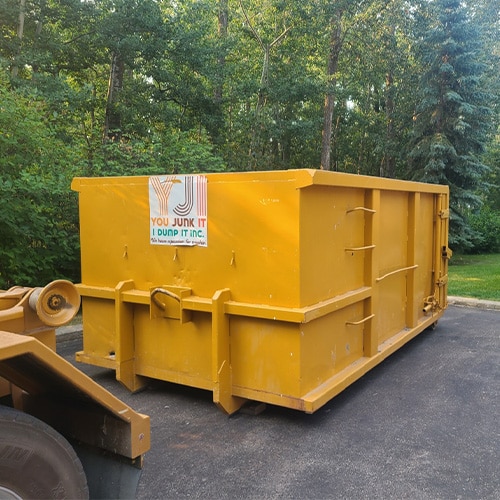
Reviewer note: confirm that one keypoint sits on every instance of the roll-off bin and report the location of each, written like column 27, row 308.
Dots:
column 282, row 287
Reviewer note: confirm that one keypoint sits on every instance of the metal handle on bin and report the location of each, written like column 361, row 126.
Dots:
column 396, row 271
column 358, row 249
column 360, row 321
column 364, row 209
column 163, row 291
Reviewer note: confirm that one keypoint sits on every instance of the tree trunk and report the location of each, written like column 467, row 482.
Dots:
column 216, row 125
column 221, row 59
column 20, row 34
column 388, row 166
column 261, row 102
column 264, row 86
column 333, row 61
column 38, row 32
column 112, row 123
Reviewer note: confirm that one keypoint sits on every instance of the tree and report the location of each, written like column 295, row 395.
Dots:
column 195, row 85
column 453, row 116
column 38, row 212
column 133, row 31
column 222, row 35
column 361, row 71
column 336, row 42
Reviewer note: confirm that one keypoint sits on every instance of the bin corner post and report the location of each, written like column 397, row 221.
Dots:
column 124, row 340
column 221, row 361
column 443, row 250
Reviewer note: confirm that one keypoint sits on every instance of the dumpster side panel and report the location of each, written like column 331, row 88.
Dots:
column 167, row 350
column 391, row 254
column 252, row 239
column 99, row 327
column 330, row 344
column 327, row 231
column 113, row 227
column 265, row 358
column 254, row 234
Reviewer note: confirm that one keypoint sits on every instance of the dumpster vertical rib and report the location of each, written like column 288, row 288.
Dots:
column 411, row 305
column 124, row 343
column 372, row 229
column 221, row 361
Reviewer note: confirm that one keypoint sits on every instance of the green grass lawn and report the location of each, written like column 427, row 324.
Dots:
column 476, row 276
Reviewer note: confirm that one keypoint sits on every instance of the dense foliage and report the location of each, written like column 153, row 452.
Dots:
column 485, row 225
column 397, row 88
column 452, row 115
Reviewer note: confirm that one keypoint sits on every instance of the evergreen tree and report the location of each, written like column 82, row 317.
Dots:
column 453, row 117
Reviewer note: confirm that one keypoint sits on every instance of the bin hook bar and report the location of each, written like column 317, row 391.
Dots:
column 360, row 321
column 364, row 209
column 163, row 291
column 395, row 272
column 357, row 249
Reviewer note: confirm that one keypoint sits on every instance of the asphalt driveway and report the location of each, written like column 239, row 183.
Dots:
column 422, row 425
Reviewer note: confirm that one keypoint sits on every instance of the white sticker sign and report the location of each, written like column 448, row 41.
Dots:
column 178, row 210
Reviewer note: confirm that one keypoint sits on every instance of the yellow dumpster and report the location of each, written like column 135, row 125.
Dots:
column 281, row 287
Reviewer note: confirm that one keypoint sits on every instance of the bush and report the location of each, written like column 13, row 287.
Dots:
column 486, row 226
column 38, row 212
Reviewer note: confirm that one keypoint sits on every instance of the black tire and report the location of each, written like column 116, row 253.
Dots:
column 35, row 461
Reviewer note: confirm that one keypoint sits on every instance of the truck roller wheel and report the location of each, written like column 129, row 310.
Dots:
column 35, row 461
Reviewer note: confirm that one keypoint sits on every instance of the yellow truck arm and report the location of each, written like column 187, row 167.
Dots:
column 47, row 398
